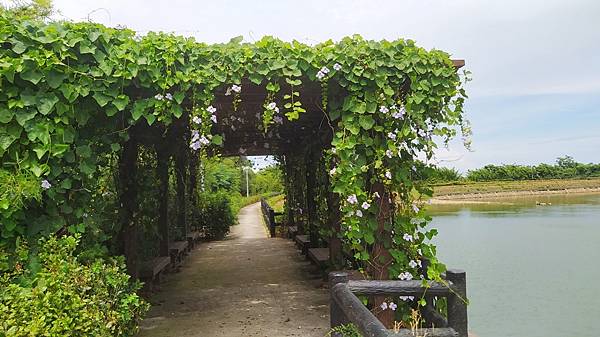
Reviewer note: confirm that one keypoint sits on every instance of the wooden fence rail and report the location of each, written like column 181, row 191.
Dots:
column 269, row 216
column 346, row 308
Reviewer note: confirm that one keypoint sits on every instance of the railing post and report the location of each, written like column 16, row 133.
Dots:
column 457, row 306
column 336, row 315
column 272, row 222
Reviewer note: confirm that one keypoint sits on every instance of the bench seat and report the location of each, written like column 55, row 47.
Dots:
column 152, row 270
column 303, row 243
column 320, row 256
column 292, row 231
column 177, row 250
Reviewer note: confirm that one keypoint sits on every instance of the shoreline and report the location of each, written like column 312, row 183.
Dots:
column 488, row 197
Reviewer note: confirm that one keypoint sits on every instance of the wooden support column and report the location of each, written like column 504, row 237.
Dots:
column 162, row 172
column 380, row 258
column 181, row 177
column 289, row 178
column 127, row 196
column 334, row 221
column 192, row 188
column 311, row 207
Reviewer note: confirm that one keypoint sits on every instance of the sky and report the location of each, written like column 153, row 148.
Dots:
column 535, row 64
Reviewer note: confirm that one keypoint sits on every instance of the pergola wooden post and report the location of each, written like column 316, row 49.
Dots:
column 162, row 172
column 128, row 200
column 311, row 208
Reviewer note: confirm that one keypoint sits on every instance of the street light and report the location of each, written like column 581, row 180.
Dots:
column 246, row 168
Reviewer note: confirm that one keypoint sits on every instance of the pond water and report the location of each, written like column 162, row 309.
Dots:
column 532, row 271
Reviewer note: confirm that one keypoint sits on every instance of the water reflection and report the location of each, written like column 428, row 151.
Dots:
column 532, row 270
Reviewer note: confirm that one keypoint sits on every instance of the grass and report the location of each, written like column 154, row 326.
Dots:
column 514, row 186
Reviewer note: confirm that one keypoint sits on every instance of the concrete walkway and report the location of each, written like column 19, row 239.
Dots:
column 245, row 285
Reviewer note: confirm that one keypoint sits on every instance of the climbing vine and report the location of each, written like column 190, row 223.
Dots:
column 70, row 92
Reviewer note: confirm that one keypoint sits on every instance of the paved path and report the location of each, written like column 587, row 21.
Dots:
column 245, row 285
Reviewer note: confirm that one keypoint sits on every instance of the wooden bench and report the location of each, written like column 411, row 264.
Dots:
column 292, row 231
column 303, row 243
column 153, row 269
column 177, row 251
column 192, row 238
column 320, row 256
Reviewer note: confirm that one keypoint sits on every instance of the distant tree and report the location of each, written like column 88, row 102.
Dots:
column 566, row 162
column 34, row 9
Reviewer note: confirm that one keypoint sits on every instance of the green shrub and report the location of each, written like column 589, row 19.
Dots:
column 65, row 297
column 215, row 214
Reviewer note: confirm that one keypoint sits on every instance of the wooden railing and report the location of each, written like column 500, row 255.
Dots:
column 346, row 308
column 269, row 216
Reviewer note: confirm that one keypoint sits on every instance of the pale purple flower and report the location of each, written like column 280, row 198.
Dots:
column 204, row 140
column 413, row 264
column 388, row 153
column 333, row 150
column 46, row 184
column 271, row 106
column 278, row 119
column 408, row 237
column 388, row 174
column 211, row 109
column 391, row 135
column 419, row 251
column 337, row 67
column 376, row 194
column 393, row 306
column 332, row 171
column 236, row 88
column 195, row 135
column 383, row 306
column 415, row 208
column 384, row 109
column 195, row 145
column 359, row 213
column 320, row 75
column 197, row 120
column 325, row 70
column 213, row 118
column 159, row 97
column 169, row 96
column 352, row 199
column 397, row 115
column 365, row 205
column 405, row 276
column 407, row 298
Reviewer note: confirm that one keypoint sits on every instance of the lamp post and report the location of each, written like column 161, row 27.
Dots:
column 246, row 168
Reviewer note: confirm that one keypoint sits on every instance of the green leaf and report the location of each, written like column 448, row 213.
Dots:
column 23, row 116
column 6, row 115
column 47, row 104
column 101, row 98
column 217, row 140
column 115, row 147
column 32, row 76
column 55, row 79
column 255, row 78
column 138, row 109
column 120, row 102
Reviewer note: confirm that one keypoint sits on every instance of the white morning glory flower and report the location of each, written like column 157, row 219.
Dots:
column 197, row 120
column 388, row 153
column 46, row 184
column 169, row 96
column 236, row 88
column 376, row 194
column 204, row 140
column 408, row 237
column 365, row 205
column 211, row 109
column 398, row 115
column 393, row 306
column 419, row 251
column 415, row 208
column 320, row 75
column 325, row 70
column 337, row 67
column 195, row 145
column 271, row 106
column 332, row 171
column 413, row 264
column 333, row 150
column 195, row 135
column 359, row 213
column 384, row 109
column 407, row 298
column 383, row 306
column 352, row 199
column 388, row 174
column 405, row 276
column 159, row 97
column 213, row 118
column 391, row 135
